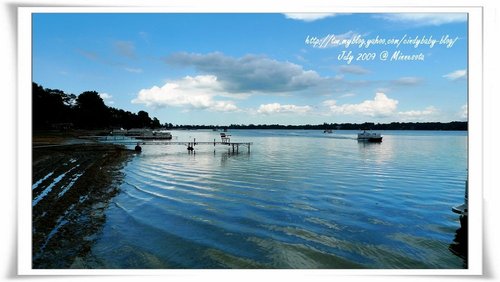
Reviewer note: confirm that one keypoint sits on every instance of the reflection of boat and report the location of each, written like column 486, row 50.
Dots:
column 327, row 131
column 369, row 136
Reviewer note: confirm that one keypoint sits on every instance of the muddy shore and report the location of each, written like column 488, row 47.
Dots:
column 73, row 183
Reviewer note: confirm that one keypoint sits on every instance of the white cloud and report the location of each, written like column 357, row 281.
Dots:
column 106, row 98
column 275, row 108
column 380, row 106
column 197, row 92
column 408, row 80
column 425, row 19
column 456, row 75
column 416, row 115
column 347, row 95
column 464, row 111
column 308, row 17
column 250, row 73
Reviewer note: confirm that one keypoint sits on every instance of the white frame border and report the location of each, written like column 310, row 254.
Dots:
column 475, row 109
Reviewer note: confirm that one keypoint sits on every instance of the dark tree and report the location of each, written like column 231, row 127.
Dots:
column 91, row 111
column 49, row 107
column 144, row 119
column 155, row 123
column 52, row 108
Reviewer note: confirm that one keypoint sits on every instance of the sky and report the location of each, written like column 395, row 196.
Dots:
column 265, row 68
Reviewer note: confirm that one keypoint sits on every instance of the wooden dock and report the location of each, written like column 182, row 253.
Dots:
column 234, row 146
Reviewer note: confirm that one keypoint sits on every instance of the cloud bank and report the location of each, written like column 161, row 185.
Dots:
column 199, row 92
column 380, row 106
column 308, row 17
column 249, row 73
column 275, row 108
column 425, row 19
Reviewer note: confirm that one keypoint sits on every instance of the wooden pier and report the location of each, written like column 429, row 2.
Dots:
column 234, row 146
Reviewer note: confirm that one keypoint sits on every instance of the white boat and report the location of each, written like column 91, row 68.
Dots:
column 369, row 136
column 148, row 134
column 155, row 135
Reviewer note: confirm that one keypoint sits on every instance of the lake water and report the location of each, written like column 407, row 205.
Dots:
column 299, row 199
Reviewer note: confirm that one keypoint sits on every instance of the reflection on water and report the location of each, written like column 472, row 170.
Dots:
column 297, row 200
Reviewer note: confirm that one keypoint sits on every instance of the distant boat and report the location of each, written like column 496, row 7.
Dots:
column 148, row 134
column 369, row 136
column 327, row 131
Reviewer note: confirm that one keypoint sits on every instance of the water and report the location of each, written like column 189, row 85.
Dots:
column 300, row 199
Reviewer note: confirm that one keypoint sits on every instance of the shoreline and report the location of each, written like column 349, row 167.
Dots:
column 73, row 182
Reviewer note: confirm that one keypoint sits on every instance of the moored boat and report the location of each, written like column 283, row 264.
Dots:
column 154, row 135
column 148, row 134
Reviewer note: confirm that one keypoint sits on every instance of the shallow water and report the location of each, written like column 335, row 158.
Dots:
column 299, row 199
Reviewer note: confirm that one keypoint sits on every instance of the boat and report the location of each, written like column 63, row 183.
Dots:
column 148, row 134
column 154, row 135
column 137, row 132
column 327, row 131
column 369, row 136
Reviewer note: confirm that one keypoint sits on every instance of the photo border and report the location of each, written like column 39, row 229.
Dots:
column 475, row 133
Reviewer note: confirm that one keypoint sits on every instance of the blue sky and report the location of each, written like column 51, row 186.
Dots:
column 260, row 68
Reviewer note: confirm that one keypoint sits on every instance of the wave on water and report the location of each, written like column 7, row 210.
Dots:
column 320, row 201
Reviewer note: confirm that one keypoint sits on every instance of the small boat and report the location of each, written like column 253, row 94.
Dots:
column 327, row 131
column 369, row 136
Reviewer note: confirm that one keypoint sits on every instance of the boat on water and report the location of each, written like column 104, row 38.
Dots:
column 143, row 134
column 368, row 136
column 328, row 131
column 154, row 135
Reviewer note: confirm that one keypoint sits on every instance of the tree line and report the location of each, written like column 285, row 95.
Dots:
column 454, row 125
column 54, row 109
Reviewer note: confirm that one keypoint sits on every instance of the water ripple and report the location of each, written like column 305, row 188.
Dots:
column 296, row 201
